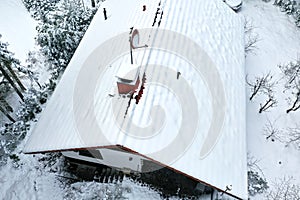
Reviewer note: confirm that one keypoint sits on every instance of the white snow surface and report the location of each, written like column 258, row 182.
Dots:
column 34, row 180
column 279, row 43
column 30, row 180
column 214, row 27
column 17, row 28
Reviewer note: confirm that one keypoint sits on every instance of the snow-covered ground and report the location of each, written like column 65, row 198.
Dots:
column 279, row 43
column 35, row 179
column 29, row 181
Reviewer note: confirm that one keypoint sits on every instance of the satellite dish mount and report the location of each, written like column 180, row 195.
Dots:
column 134, row 40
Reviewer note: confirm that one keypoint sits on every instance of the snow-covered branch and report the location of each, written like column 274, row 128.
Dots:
column 251, row 37
column 263, row 85
column 284, row 189
column 291, row 73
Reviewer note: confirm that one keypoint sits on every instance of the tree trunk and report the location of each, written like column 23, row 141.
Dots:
column 7, row 77
column 93, row 3
column 5, row 105
column 294, row 106
column 6, row 114
column 269, row 103
column 256, row 88
column 15, row 77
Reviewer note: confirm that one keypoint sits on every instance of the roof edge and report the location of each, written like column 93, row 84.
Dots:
column 137, row 153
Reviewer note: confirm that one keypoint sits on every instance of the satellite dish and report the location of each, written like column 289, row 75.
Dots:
column 135, row 39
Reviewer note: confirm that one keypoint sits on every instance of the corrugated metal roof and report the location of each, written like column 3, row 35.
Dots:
column 189, row 110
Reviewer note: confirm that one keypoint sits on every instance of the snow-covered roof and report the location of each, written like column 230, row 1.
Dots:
column 191, row 112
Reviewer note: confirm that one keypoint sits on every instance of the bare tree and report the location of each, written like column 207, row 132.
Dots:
column 252, row 164
column 288, row 136
column 293, row 137
column 263, row 85
column 270, row 102
column 291, row 73
column 272, row 132
column 284, row 189
column 251, row 37
column 255, row 86
column 296, row 102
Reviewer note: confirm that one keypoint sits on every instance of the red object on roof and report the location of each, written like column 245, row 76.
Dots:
column 126, row 86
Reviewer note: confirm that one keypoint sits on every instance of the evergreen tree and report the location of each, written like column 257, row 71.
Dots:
column 291, row 7
column 40, row 8
column 61, row 33
column 297, row 16
column 256, row 184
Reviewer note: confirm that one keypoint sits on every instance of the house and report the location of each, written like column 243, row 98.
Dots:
column 193, row 124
